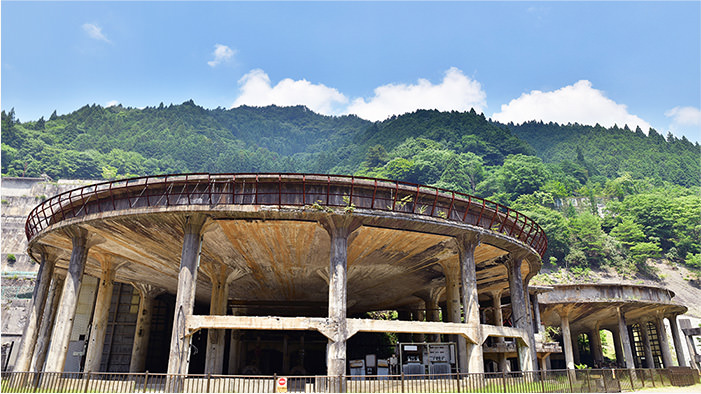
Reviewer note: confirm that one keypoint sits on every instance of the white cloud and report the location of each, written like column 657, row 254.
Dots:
column 574, row 103
column 222, row 53
column 685, row 121
column 455, row 92
column 257, row 90
column 112, row 103
column 95, row 32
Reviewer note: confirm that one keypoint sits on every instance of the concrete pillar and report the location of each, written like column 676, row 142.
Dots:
column 536, row 313
column 664, row 342
column 142, row 332
column 433, row 310
column 674, row 326
column 36, row 312
column 645, row 334
column 179, row 357
column 419, row 314
column 339, row 228
column 595, row 345
column 566, row 337
column 234, row 352
column 625, row 339
column 504, row 365
column 519, row 313
column 544, row 362
column 47, row 322
column 471, row 307
column 96, row 341
column 451, row 270
column 285, row 354
column 220, row 275
column 61, row 334
column 575, row 348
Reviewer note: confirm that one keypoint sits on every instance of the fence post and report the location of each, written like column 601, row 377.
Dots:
column 588, row 380
column 652, row 377
column 35, row 381
column 603, row 378
column 145, row 380
column 275, row 383
column 209, row 378
column 402, row 379
column 542, row 380
column 87, row 381
column 459, row 381
column 569, row 377
column 631, row 372
column 503, row 379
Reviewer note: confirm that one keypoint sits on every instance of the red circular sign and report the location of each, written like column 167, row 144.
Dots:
column 282, row 382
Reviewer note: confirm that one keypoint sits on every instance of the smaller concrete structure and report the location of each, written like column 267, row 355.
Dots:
column 633, row 314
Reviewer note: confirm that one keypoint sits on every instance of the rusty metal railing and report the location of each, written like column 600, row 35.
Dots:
column 549, row 381
column 315, row 191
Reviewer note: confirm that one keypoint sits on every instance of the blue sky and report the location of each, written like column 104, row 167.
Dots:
column 635, row 63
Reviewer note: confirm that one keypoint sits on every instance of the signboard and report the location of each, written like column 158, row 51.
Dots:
column 281, row 385
column 439, row 353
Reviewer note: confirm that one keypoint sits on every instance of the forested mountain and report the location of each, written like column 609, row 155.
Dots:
column 608, row 198
column 611, row 151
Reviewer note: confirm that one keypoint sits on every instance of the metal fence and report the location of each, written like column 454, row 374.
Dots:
column 552, row 381
column 313, row 190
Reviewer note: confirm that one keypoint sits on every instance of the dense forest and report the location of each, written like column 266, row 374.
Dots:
column 606, row 197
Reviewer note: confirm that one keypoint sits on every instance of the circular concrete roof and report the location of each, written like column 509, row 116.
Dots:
column 264, row 227
column 589, row 304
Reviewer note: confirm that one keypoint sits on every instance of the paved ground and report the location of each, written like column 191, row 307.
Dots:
column 688, row 389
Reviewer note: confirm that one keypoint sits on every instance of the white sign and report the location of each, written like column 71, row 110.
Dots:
column 281, row 385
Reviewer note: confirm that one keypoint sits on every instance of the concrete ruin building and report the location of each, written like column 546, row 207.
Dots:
column 278, row 273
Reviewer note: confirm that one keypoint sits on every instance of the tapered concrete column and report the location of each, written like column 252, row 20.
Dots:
column 47, row 322
column 536, row 312
column 595, row 344
column 504, row 365
column 339, row 228
column 234, row 352
column 451, row 270
column 526, row 354
column 36, row 311
column 433, row 310
column 664, row 342
column 575, row 348
column 179, row 357
column 142, row 333
column 645, row 334
column 466, row 250
column 63, row 325
column 625, row 339
column 674, row 326
column 96, row 342
column 419, row 314
column 566, row 337
column 221, row 276
column 404, row 315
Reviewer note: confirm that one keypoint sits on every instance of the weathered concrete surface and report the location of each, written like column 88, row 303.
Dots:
column 69, row 302
column 179, row 357
column 47, row 322
column 597, row 303
column 327, row 328
column 284, row 254
column 96, row 342
column 142, row 333
column 41, row 291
